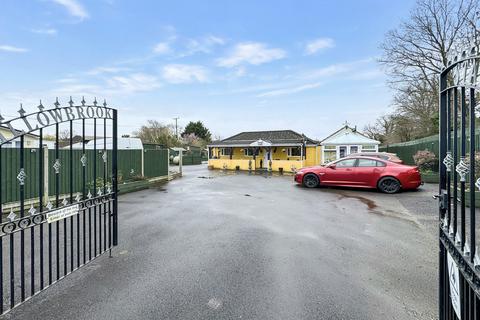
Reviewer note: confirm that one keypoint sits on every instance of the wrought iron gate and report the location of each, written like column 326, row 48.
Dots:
column 58, row 199
column 459, row 262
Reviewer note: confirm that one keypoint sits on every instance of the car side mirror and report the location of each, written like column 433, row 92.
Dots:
column 332, row 166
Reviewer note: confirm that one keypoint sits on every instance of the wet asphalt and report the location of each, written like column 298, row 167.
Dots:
column 215, row 245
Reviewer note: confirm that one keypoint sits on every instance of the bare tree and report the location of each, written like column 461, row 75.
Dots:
column 156, row 132
column 415, row 53
column 418, row 49
column 381, row 130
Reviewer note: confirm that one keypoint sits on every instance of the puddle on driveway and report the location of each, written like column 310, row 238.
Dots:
column 368, row 202
column 373, row 208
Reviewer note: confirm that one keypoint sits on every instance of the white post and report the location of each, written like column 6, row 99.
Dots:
column 301, row 154
column 168, row 164
column 143, row 162
column 180, row 160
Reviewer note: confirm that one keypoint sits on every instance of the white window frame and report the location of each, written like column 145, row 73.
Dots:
column 289, row 151
column 246, row 151
column 222, row 152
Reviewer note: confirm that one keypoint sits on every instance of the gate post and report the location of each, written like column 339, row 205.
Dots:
column 442, row 191
column 45, row 175
column 115, row 178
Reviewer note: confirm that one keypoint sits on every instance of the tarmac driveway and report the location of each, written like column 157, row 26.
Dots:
column 216, row 245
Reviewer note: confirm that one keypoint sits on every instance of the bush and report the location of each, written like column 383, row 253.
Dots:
column 425, row 159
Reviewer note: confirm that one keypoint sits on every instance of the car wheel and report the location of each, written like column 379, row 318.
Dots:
column 311, row 181
column 389, row 185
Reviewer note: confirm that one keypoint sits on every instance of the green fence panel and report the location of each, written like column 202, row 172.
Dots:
column 406, row 150
column 10, row 186
column 155, row 163
column 129, row 164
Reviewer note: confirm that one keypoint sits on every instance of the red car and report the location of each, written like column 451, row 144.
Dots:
column 362, row 172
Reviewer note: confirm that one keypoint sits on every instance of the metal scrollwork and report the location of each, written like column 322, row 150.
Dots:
column 462, row 169
column 57, row 165
column 83, row 160
column 21, row 176
column 448, row 161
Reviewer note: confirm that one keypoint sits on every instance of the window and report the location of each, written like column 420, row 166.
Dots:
column 366, row 163
column 224, row 151
column 347, row 163
column 369, row 148
column 334, row 148
column 294, row 152
column 369, row 163
column 248, row 152
column 353, row 149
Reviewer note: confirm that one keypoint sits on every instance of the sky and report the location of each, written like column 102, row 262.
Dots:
column 237, row 66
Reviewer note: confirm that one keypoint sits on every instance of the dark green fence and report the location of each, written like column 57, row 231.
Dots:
column 191, row 157
column 406, row 150
column 154, row 167
column 129, row 169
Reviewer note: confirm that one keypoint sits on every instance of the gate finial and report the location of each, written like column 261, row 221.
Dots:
column 105, row 103
column 83, row 101
column 95, row 102
column 21, row 111
column 40, row 106
column 56, row 104
column 70, row 102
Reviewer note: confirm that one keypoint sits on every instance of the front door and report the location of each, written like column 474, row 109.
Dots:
column 266, row 158
column 342, row 151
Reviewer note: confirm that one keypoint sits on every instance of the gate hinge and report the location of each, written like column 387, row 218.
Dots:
column 442, row 200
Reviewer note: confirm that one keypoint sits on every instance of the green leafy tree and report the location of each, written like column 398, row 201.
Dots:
column 199, row 130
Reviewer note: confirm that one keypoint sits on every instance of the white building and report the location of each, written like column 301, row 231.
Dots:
column 122, row 144
column 345, row 141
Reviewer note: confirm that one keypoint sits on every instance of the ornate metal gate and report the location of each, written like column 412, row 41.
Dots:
column 459, row 285
column 58, row 198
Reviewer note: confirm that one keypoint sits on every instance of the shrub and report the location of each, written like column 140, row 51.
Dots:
column 425, row 159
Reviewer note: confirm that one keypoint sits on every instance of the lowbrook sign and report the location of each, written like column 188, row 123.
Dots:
column 46, row 118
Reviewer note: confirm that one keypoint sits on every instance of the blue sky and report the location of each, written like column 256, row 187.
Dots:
column 236, row 65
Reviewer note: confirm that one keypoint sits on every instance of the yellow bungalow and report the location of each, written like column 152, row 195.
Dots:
column 279, row 150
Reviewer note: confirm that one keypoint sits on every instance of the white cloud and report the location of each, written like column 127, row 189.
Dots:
column 162, row 48
column 329, row 71
column 102, row 70
column 183, row 47
column 319, row 44
column 290, row 90
column 254, row 53
column 74, row 8
column 204, row 45
column 136, row 82
column 182, row 73
column 47, row 31
column 8, row 48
